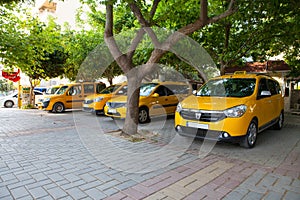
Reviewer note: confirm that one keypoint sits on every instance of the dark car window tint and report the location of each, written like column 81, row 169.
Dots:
column 161, row 90
column 88, row 88
column 262, row 86
column 274, row 87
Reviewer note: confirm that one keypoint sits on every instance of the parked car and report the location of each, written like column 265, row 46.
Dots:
column 95, row 103
column 10, row 100
column 71, row 96
column 41, row 89
column 156, row 99
column 232, row 108
column 50, row 91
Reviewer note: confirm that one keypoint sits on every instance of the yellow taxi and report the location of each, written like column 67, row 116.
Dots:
column 71, row 96
column 156, row 99
column 232, row 108
column 95, row 103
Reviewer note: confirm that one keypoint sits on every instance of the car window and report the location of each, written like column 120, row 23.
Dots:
column 147, row 88
column 123, row 90
column 161, row 91
column 88, row 88
column 99, row 87
column 75, row 90
column 228, row 87
column 110, row 89
column 274, row 87
column 179, row 89
column 51, row 90
column 262, row 86
column 62, row 90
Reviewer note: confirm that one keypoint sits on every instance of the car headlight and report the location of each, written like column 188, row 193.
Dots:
column 179, row 107
column 98, row 99
column 47, row 99
column 236, row 111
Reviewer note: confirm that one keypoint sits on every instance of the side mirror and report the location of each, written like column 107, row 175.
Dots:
column 194, row 92
column 155, row 95
column 265, row 93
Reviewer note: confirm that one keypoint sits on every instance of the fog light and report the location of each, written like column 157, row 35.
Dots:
column 225, row 135
column 178, row 129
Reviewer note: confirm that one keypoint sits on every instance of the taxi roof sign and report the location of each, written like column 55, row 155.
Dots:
column 240, row 72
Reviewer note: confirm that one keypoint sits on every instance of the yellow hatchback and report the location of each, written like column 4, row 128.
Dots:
column 95, row 103
column 156, row 99
column 232, row 108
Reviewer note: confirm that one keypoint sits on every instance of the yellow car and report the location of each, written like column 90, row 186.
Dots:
column 156, row 99
column 71, row 96
column 95, row 103
column 232, row 108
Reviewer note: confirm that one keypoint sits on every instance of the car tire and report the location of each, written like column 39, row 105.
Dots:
column 250, row 138
column 144, row 115
column 8, row 104
column 58, row 108
column 279, row 123
column 98, row 113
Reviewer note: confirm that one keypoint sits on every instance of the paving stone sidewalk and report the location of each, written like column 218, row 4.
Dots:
column 44, row 157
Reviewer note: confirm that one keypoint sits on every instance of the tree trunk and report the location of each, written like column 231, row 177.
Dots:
column 222, row 67
column 133, row 95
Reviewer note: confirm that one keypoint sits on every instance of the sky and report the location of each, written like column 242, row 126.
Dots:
column 65, row 11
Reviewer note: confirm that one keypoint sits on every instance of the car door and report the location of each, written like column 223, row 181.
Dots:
column 157, row 103
column 264, row 103
column 74, row 97
column 172, row 100
column 276, row 98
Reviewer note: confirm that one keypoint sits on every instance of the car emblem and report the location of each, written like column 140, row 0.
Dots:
column 198, row 115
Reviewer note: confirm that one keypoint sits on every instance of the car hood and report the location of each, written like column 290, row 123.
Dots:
column 123, row 98
column 93, row 96
column 119, row 99
column 211, row 103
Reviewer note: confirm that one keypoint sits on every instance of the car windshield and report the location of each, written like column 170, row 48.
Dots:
column 147, row 88
column 62, row 90
column 110, row 89
column 228, row 87
column 51, row 90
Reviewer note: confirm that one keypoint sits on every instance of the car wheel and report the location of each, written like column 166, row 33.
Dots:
column 250, row 139
column 280, row 121
column 143, row 115
column 58, row 107
column 8, row 104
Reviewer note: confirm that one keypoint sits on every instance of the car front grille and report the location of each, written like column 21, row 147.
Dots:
column 205, row 116
column 88, row 101
column 116, row 105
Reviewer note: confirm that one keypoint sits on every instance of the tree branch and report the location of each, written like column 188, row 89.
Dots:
column 203, row 11
column 139, row 36
column 153, row 9
column 120, row 58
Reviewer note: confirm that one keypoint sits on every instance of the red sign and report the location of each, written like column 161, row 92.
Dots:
column 13, row 76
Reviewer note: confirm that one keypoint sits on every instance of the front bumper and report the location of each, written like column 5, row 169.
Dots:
column 87, row 109
column 212, row 135
column 45, row 105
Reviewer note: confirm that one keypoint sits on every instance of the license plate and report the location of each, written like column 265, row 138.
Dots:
column 112, row 111
column 197, row 125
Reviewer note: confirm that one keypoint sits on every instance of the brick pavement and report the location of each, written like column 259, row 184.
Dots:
column 43, row 157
